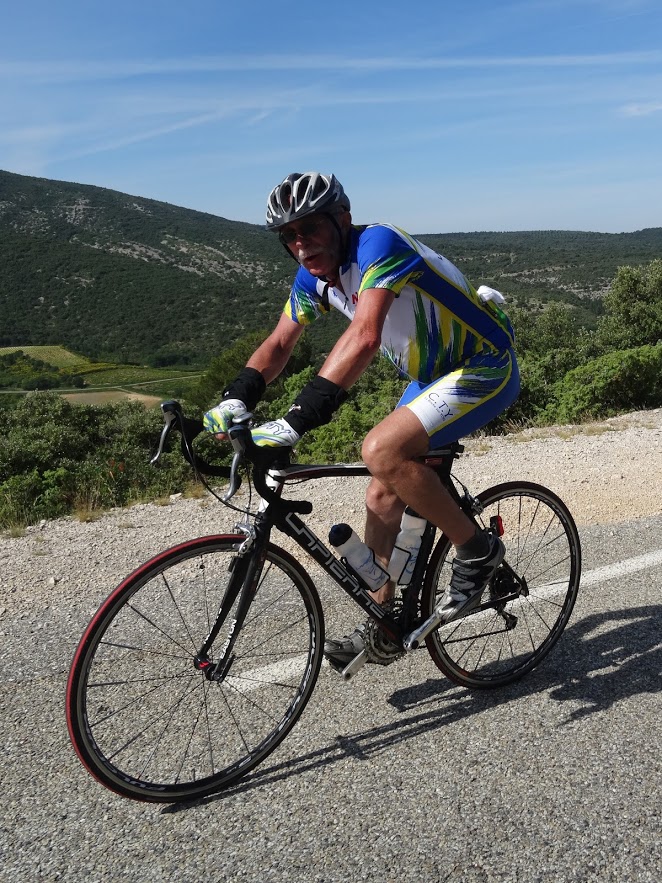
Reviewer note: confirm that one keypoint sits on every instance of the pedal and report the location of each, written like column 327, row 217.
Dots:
column 355, row 665
column 348, row 671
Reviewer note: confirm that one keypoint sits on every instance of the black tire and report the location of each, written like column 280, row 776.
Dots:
column 500, row 644
column 144, row 721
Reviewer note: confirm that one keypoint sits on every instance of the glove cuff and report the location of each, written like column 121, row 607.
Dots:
column 315, row 404
column 248, row 387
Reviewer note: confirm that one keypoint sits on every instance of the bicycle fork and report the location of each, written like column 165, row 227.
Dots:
column 246, row 570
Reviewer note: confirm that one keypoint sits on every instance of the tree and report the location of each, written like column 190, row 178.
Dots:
column 548, row 345
column 633, row 308
column 224, row 368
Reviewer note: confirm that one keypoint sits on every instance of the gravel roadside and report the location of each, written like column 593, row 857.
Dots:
column 553, row 779
column 606, row 472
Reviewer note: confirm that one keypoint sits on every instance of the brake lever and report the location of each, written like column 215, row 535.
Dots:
column 238, row 441
column 235, row 478
column 169, row 420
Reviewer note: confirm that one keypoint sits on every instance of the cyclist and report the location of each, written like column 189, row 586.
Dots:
column 455, row 346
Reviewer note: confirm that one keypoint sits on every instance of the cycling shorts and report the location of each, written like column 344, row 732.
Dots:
column 466, row 399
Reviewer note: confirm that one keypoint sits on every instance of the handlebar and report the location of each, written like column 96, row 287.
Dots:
column 245, row 449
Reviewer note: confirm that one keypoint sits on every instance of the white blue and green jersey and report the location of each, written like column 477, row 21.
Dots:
column 436, row 322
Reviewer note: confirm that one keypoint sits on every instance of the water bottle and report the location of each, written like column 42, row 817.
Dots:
column 360, row 557
column 407, row 544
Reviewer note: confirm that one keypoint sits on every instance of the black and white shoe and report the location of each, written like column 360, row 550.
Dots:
column 468, row 581
column 341, row 652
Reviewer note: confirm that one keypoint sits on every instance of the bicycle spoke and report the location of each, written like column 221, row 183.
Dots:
column 138, row 700
column 177, row 608
column 145, row 729
column 150, row 724
column 158, row 629
column 487, row 648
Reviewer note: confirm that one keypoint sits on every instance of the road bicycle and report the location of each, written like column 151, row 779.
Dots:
column 199, row 663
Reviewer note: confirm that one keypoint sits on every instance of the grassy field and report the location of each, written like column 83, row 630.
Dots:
column 132, row 375
column 108, row 382
column 103, row 397
column 57, row 356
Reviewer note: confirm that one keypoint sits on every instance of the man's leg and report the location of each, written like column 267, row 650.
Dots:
column 388, row 451
column 398, row 480
column 450, row 407
column 471, row 396
column 383, row 513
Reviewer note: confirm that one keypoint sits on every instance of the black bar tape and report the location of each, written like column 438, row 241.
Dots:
column 315, row 404
column 248, row 388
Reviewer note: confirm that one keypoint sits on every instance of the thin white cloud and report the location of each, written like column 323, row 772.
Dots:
column 38, row 134
column 612, row 7
column 642, row 110
column 128, row 119
column 116, row 70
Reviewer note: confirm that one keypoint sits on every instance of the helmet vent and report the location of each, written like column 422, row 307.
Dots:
column 304, row 194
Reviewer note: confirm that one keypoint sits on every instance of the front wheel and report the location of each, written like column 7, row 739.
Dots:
column 528, row 603
column 145, row 719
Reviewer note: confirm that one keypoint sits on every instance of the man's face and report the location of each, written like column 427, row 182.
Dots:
column 315, row 243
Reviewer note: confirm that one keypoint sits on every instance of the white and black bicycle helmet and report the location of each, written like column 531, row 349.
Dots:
column 304, row 194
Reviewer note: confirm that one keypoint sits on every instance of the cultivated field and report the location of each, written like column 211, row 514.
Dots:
column 108, row 382
column 104, row 397
column 57, row 356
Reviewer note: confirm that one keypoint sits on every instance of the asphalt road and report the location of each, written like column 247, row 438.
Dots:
column 397, row 776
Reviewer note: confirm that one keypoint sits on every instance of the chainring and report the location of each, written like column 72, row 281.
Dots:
column 378, row 648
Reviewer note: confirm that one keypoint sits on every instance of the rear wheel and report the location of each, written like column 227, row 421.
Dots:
column 150, row 725
column 528, row 603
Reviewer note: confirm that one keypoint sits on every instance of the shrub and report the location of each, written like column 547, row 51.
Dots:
column 620, row 381
column 56, row 457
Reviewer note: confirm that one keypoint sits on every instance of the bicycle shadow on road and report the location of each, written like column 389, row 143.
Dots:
column 604, row 658
column 600, row 660
column 622, row 661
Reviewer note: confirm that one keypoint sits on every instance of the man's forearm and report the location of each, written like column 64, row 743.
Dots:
column 269, row 361
column 350, row 357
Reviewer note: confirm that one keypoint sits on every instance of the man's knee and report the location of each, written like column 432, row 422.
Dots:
column 398, row 438
column 380, row 499
column 378, row 454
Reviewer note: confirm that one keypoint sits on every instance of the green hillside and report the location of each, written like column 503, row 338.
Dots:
column 121, row 278
column 117, row 277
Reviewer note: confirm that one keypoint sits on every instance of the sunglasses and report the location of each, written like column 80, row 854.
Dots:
column 305, row 228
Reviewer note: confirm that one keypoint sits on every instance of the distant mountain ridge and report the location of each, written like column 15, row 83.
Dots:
column 110, row 274
column 117, row 276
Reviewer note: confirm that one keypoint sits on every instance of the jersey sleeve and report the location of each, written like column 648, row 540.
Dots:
column 387, row 259
column 304, row 304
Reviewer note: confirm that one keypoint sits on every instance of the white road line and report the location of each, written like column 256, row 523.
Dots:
column 293, row 667
column 277, row 672
column 621, row 568
column 604, row 574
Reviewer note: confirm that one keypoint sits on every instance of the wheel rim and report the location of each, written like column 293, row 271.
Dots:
column 151, row 723
column 500, row 644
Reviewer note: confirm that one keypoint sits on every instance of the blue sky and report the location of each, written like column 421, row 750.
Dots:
column 436, row 116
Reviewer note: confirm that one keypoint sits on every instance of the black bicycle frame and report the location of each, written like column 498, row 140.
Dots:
column 247, row 568
column 291, row 525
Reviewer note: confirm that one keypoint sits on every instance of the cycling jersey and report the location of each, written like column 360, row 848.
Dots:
column 436, row 322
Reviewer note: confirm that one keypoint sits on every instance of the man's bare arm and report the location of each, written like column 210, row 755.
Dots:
column 273, row 354
column 357, row 347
